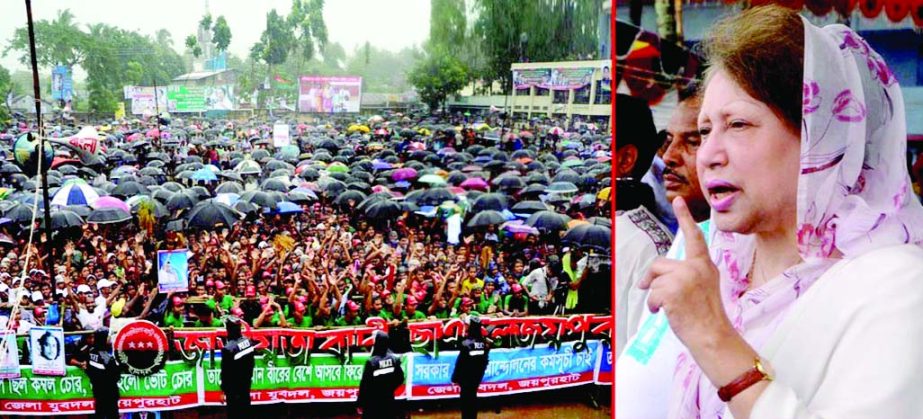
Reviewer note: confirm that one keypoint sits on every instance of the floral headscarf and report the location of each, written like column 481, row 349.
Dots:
column 854, row 195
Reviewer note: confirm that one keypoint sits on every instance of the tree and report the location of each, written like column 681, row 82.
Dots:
column 6, row 87
column 221, row 34
column 447, row 26
column 206, row 23
column 438, row 76
column 59, row 42
column 307, row 20
column 192, row 45
column 277, row 39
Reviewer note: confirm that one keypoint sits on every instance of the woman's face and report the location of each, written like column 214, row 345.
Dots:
column 748, row 163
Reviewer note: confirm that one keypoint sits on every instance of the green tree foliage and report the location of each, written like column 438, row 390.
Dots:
column 58, row 42
column 206, row 23
column 306, row 20
column 538, row 30
column 6, row 87
column 438, row 76
column 192, row 45
column 276, row 41
column 447, row 26
column 221, row 34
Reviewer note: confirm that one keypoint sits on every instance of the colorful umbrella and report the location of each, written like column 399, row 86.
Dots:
column 75, row 192
column 111, row 202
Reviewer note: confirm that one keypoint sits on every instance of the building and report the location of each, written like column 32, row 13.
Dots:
column 568, row 90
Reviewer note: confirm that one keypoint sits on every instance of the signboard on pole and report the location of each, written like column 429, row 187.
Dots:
column 62, row 85
column 280, row 137
column 144, row 100
column 173, row 270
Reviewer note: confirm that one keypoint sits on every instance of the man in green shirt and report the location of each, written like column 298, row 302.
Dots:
column 299, row 320
column 224, row 301
column 174, row 316
column 206, row 317
column 410, row 309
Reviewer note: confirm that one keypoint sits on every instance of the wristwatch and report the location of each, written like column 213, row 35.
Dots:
column 744, row 381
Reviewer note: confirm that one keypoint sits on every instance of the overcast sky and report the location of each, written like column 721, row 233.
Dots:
column 387, row 24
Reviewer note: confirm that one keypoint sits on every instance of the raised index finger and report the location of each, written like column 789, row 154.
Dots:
column 695, row 240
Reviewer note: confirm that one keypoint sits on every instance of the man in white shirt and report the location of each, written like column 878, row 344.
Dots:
column 540, row 284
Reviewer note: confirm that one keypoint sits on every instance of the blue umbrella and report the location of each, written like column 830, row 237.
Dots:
column 75, row 192
column 285, row 207
column 204, row 174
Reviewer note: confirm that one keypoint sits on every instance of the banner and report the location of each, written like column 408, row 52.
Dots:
column 174, row 387
column 173, row 270
column 509, row 371
column 62, row 84
column 220, row 98
column 9, row 364
column 277, row 379
column 320, row 94
column 280, row 137
column 145, row 100
column 46, row 345
column 553, row 78
column 604, row 366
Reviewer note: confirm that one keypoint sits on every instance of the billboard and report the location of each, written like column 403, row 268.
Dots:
column 143, row 99
column 553, row 78
column 182, row 98
column 322, row 94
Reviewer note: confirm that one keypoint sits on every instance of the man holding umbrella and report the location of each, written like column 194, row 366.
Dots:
column 380, row 378
column 470, row 367
column 237, row 369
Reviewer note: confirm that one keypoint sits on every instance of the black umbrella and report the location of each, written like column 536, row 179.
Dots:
column 601, row 221
column 246, row 207
column 490, row 201
column 333, row 187
column 435, row 196
column 108, row 216
column 180, row 201
column 344, row 198
column 81, row 210
column 486, row 218
column 211, row 214
column 261, row 199
column 162, row 195
column 299, row 197
column 20, row 213
column 384, row 210
column 511, row 182
column 529, row 207
column 175, row 225
column 129, row 189
column 547, row 221
column 229, row 187
column 10, row 168
column 230, row 174
column 589, row 236
column 61, row 219
column 567, row 176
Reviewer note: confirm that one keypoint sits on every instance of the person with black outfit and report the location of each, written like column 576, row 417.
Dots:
column 380, row 378
column 104, row 374
column 470, row 367
column 237, row 369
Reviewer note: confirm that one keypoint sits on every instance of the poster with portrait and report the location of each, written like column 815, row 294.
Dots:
column 9, row 363
column 46, row 345
column 219, row 98
column 173, row 270
column 62, row 85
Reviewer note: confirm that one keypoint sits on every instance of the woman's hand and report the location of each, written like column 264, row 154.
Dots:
column 688, row 290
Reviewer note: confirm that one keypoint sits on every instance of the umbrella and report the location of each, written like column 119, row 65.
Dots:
column 475, row 183
column 300, row 197
column 19, row 213
column 490, row 201
column 81, row 210
column 61, row 219
column 403, row 174
column 274, row 184
column 136, row 202
column 211, row 214
column 248, row 167
column 111, row 202
column 228, row 174
column 511, row 182
column 261, row 199
column 517, row 226
column 75, row 192
column 432, row 180
column 383, row 210
column 435, row 196
column 204, row 175
column 486, row 218
column 547, row 221
column 173, row 187
column 245, row 207
column 229, row 187
column 228, row 199
column 561, row 188
column 180, row 201
column 590, row 236
column 128, row 189
column 286, row 207
column 529, row 207
column 344, row 198
column 109, row 215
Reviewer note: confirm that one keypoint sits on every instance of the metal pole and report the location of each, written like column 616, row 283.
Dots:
column 41, row 147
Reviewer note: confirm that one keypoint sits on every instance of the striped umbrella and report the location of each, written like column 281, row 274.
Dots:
column 75, row 192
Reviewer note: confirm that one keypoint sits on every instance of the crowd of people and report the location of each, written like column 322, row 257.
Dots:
column 401, row 218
